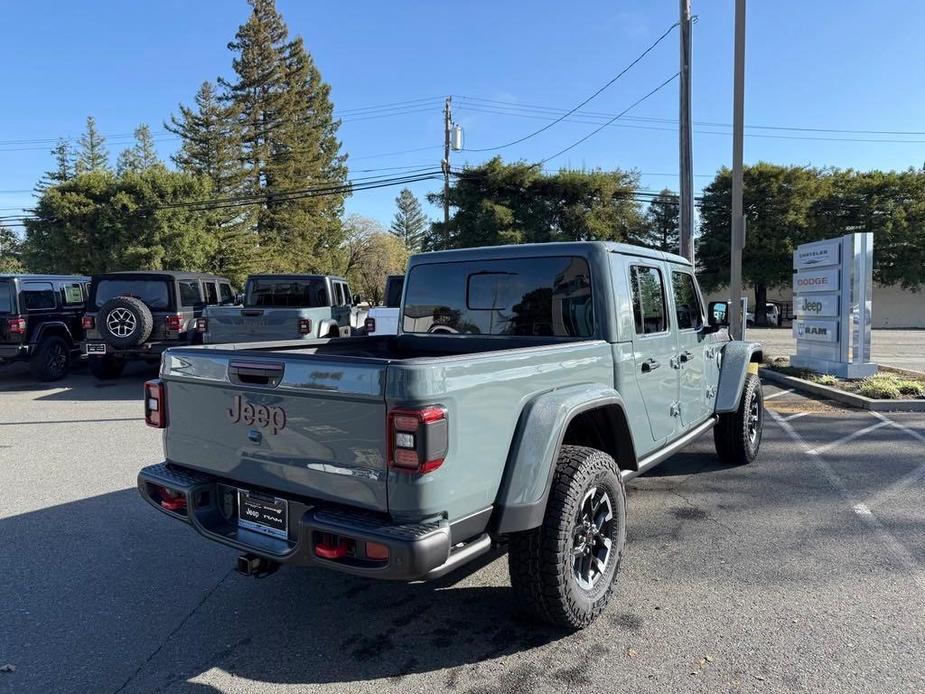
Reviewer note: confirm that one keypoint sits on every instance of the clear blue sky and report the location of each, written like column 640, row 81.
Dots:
column 832, row 64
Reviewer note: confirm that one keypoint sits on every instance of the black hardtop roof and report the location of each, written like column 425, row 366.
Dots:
column 31, row 276
column 174, row 274
column 291, row 276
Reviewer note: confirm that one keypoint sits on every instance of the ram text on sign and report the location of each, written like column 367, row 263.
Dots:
column 816, row 330
column 816, row 306
column 817, row 254
column 815, row 281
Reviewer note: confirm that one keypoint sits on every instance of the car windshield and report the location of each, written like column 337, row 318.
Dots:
column 6, row 297
column 286, row 293
column 536, row 296
column 153, row 293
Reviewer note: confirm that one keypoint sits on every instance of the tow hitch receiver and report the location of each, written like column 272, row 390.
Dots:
column 257, row 567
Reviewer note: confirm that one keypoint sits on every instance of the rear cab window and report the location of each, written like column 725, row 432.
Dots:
column 286, row 293
column 38, row 296
column 687, row 305
column 393, row 287
column 155, row 294
column 6, row 297
column 649, row 307
column 541, row 297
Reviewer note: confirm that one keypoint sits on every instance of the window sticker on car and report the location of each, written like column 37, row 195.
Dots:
column 73, row 294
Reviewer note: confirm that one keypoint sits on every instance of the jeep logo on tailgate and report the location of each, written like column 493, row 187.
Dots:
column 263, row 416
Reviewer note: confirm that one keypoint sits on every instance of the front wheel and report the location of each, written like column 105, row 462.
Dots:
column 737, row 435
column 51, row 360
column 106, row 368
column 564, row 571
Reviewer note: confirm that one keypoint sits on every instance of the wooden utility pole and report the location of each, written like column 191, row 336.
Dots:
column 445, row 165
column 686, row 200
column 738, row 219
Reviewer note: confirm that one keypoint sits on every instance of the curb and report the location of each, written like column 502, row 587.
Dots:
column 841, row 396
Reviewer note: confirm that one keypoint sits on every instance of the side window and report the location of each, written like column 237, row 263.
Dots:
column 338, row 298
column 649, row 312
column 189, row 293
column 211, row 293
column 38, row 296
column 226, row 295
column 72, row 293
column 686, row 302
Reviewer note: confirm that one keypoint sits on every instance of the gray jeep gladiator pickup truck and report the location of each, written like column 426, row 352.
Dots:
column 284, row 307
column 526, row 385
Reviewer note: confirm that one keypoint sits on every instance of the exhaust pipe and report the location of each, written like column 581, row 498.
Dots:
column 254, row 566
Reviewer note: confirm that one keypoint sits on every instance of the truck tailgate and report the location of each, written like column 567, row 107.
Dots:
column 305, row 425
column 236, row 324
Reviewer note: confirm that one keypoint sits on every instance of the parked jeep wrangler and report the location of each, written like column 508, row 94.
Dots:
column 284, row 307
column 40, row 321
column 137, row 315
column 526, row 386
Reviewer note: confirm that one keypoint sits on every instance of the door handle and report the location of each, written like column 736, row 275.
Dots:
column 649, row 365
column 685, row 356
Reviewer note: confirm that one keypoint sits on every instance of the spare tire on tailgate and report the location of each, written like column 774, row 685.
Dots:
column 125, row 321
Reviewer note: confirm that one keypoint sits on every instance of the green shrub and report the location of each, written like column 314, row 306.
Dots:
column 879, row 388
column 826, row 380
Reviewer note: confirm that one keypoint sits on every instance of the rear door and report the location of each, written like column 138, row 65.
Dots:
column 692, row 343
column 655, row 345
column 341, row 305
column 8, row 308
column 303, row 425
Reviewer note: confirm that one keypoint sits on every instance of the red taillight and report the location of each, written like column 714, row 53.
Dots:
column 16, row 325
column 334, row 547
column 305, row 326
column 169, row 499
column 173, row 322
column 155, row 404
column 202, row 325
column 370, row 324
column 418, row 438
column 88, row 323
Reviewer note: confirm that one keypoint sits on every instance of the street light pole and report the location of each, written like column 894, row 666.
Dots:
column 686, row 216
column 738, row 219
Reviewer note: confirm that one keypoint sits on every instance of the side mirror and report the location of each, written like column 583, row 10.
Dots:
column 718, row 314
column 239, row 298
column 357, row 299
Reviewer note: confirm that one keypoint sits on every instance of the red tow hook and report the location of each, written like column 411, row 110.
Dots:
column 176, row 504
column 336, row 551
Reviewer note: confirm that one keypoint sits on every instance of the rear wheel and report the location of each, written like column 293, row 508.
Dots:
column 737, row 435
column 565, row 570
column 106, row 368
column 51, row 360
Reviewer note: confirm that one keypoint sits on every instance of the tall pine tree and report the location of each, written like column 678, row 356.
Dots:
column 141, row 156
column 288, row 142
column 211, row 148
column 661, row 227
column 64, row 166
column 92, row 154
column 410, row 224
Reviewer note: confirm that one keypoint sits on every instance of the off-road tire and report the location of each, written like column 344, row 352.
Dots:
column 541, row 561
column 736, row 435
column 106, row 368
column 51, row 359
column 138, row 316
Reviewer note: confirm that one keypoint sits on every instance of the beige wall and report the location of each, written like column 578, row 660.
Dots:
column 893, row 307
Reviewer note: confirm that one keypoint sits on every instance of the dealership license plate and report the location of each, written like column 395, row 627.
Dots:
column 263, row 514
column 96, row 348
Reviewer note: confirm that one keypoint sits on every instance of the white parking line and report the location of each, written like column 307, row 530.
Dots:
column 845, row 439
column 778, row 393
column 861, row 510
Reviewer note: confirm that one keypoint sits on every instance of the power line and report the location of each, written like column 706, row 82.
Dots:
column 619, row 115
column 561, row 118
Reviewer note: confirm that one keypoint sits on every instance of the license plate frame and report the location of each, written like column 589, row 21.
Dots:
column 268, row 515
column 96, row 348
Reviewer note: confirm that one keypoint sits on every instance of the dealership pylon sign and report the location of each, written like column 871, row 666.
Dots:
column 832, row 302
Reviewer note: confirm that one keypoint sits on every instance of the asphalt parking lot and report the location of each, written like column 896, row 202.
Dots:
column 800, row 572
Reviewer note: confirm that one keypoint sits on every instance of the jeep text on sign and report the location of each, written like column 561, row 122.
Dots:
column 820, row 254
column 815, row 281
column 816, row 306
column 816, row 330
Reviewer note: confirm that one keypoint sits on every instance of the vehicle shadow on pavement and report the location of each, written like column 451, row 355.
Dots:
column 80, row 386
column 152, row 605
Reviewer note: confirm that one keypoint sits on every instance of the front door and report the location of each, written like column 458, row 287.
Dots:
column 692, row 344
column 655, row 348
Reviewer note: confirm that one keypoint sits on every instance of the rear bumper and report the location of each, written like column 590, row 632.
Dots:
column 417, row 551
column 14, row 352
column 147, row 350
